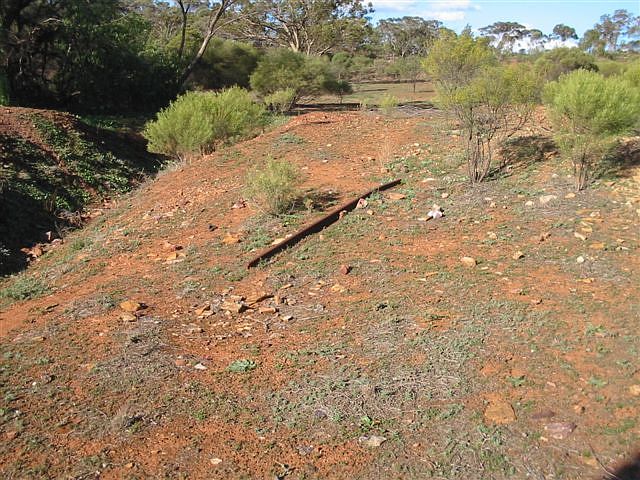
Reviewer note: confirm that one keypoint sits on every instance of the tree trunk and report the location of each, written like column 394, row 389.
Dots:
column 183, row 34
column 212, row 28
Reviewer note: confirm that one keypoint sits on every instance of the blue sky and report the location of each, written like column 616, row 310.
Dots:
column 541, row 14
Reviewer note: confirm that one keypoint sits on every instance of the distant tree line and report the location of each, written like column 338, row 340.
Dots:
column 135, row 55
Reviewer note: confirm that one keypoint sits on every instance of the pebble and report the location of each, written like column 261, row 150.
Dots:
column 372, row 441
column 468, row 261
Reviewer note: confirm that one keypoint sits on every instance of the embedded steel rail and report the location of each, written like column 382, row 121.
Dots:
column 318, row 225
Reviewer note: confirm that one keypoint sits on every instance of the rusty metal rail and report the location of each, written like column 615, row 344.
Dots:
column 318, row 225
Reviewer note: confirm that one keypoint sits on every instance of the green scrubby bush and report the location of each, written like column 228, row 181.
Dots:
column 490, row 101
column 281, row 101
column 609, row 68
column 283, row 69
column 554, row 63
column 274, row 187
column 388, row 103
column 226, row 63
column 198, row 121
column 632, row 74
column 589, row 113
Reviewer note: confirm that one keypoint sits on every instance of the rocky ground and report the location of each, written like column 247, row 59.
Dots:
column 500, row 341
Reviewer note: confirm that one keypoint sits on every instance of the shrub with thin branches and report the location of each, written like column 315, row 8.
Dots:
column 490, row 101
column 274, row 186
column 590, row 112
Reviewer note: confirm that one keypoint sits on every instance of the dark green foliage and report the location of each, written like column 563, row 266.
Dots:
column 225, row 64
column 4, row 89
column 84, row 56
column 555, row 62
column 42, row 188
column 283, row 69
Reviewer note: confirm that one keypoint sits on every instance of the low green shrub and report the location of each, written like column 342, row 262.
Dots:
column 632, row 75
column 24, row 288
column 555, row 62
column 388, row 103
column 198, row 121
column 306, row 76
column 589, row 113
column 274, row 187
column 281, row 101
column 609, row 68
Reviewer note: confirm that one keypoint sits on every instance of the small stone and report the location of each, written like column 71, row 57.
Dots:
column 444, row 195
column 396, row 196
column 215, row 461
column 345, row 269
column 204, row 311
column 634, row 390
column 545, row 199
column 128, row 317
column 570, row 195
column 500, row 413
column 231, row 239
column 560, row 430
column 579, row 409
column 517, row 255
column 468, row 261
column 199, row 366
column 528, row 203
column 131, row 306
column 492, row 236
column 372, row 441
column 267, row 310
column 597, row 246
column 543, row 415
column 580, row 259
column 579, row 236
column 234, row 307
column 338, row 288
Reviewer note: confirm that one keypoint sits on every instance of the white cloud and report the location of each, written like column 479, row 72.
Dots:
column 443, row 10
column 445, row 15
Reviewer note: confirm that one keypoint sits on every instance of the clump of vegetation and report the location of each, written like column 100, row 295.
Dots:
column 226, row 63
column 274, row 187
column 283, row 69
column 24, row 288
column 490, row 101
column 632, row 75
column 555, row 62
column 340, row 88
column 241, row 366
column 388, row 103
column 589, row 113
column 281, row 101
column 198, row 121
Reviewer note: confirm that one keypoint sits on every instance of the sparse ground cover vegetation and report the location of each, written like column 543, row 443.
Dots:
column 476, row 321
